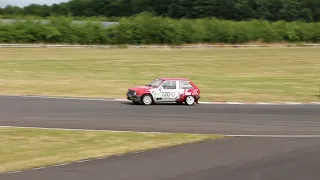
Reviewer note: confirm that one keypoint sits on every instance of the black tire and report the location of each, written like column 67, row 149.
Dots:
column 146, row 99
column 190, row 100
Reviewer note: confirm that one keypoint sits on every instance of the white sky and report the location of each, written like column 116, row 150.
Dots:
column 21, row 3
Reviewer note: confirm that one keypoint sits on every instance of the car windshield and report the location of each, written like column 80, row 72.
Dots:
column 155, row 83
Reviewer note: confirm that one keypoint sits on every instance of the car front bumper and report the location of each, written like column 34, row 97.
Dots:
column 133, row 97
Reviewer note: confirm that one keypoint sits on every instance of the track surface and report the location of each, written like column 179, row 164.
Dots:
column 203, row 118
column 232, row 159
column 244, row 158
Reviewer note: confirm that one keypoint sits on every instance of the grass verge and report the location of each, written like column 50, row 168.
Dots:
column 23, row 148
column 227, row 74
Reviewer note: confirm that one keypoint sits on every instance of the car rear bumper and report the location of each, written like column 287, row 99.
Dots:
column 197, row 99
column 181, row 99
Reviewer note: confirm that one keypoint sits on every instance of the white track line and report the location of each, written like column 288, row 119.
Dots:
column 98, row 99
column 62, row 97
column 13, row 172
column 275, row 136
column 147, row 132
column 74, row 162
column 136, row 152
column 125, row 100
column 75, row 129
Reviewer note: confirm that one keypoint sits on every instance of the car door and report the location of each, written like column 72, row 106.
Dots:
column 169, row 91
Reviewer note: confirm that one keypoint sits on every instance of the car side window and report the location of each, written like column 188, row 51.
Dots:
column 185, row 85
column 169, row 85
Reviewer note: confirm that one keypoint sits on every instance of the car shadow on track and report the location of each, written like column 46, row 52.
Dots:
column 158, row 104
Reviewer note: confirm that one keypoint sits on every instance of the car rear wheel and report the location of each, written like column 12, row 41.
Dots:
column 147, row 99
column 190, row 100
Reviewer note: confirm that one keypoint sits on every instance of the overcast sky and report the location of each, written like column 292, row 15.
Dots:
column 22, row 3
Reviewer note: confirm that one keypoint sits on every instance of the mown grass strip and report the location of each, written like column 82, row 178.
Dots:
column 23, row 148
column 245, row 74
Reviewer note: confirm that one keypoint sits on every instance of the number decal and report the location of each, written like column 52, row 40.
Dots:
column 165, row 94
column 169, row 95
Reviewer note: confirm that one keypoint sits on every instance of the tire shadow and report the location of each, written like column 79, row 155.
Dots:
column 158, row 104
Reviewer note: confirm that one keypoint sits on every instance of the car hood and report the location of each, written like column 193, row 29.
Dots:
column 141, row 88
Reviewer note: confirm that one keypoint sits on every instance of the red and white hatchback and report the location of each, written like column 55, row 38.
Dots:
column 165, row 90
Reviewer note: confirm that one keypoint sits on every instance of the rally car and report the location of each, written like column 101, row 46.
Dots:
column 165, row 90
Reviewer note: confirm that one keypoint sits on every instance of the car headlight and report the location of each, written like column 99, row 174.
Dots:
column 131, row 92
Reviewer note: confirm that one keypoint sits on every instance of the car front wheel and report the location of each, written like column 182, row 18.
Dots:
column 147, row 99
column 190, row 100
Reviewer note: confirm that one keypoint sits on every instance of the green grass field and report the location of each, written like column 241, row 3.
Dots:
column 223, row 74
column 28, row 147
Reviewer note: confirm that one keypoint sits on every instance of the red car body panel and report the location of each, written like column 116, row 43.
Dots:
column 141, row 89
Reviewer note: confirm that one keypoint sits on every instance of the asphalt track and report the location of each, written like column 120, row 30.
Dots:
column 203, row 118
column 240, row 158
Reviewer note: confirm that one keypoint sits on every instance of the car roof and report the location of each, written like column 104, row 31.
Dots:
column 164, row 78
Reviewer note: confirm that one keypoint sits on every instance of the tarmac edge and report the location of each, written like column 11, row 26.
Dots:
column 125, row 100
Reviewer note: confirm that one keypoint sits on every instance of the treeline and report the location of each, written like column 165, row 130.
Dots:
column 75, row 18
column 272, row 10
column 146, row 29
